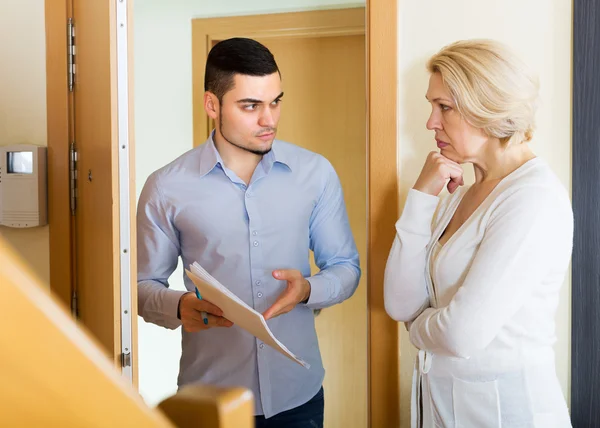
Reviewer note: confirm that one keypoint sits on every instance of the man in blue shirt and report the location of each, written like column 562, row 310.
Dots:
column 248, row 208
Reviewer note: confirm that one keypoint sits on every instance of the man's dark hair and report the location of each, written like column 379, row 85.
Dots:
column 236, row 56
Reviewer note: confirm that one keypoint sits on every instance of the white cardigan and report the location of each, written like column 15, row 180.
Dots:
column 484, row 317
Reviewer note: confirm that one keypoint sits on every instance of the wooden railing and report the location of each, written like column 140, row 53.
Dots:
column 54, row 374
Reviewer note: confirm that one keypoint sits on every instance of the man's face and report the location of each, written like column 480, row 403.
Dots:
column 249, row 113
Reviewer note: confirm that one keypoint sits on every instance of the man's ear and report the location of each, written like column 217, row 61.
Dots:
column 211, row 105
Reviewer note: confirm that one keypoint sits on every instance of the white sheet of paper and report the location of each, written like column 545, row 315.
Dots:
column 237, row 311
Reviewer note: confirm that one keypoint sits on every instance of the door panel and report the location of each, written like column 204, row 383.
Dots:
column 97, row 214
column 321, row 55
column 324, row 110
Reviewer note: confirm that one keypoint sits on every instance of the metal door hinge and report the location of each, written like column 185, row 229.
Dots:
column 73, row 177
column 126, row 359
column 71, row 54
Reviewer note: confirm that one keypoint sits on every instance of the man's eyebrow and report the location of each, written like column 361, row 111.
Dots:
column 255, row 101
column 249, row 100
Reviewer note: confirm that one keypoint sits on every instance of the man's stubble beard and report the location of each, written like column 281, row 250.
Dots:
column 239, row 146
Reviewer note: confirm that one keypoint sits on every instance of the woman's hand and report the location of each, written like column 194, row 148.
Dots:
column 436, row 172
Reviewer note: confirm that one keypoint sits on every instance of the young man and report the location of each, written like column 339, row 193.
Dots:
column 248, row 208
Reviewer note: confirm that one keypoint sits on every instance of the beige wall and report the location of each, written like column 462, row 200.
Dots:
column 540, row 30
column 23, row 106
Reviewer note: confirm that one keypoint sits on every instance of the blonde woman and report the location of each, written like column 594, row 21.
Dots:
column 476, row 276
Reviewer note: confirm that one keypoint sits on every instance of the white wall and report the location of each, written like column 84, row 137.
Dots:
column 163, row 130
column 23, row 107
column 540, row 30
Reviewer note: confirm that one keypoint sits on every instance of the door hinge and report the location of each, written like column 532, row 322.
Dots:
column 71, row 54
column 126, row 359
column 73, row 177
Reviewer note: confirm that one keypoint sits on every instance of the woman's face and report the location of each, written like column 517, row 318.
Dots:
column 457, row 139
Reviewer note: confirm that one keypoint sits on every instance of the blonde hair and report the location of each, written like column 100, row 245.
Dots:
column 491, row 87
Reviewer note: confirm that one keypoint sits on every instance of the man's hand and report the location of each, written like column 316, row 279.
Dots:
column 190, row 308
column 297, row 290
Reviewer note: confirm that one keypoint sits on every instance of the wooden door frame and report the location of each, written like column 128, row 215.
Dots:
column 379, row 26
column 381, row 37
column 60, row 133
column 382, row 76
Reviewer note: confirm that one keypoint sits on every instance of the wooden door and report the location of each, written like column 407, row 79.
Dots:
column 382, row 205
column 95, row 140
column 325, row 111
column 94, row 251
column 324, row 80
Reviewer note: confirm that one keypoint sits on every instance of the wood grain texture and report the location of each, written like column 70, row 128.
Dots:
column 96, row 135
column 324, row 111
column 210, row 407
column 585, row 342
column 54, row 373
column 384, row 399
column 382, row 175
column 322, row 23
column 74, row 384
column 59, row 136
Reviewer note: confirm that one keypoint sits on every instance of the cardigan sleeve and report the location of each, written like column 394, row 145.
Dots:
column 405, row 289
column 528, row 233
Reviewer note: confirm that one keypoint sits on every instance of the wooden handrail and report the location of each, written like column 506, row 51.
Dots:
column 209, row 406
column 54, row 373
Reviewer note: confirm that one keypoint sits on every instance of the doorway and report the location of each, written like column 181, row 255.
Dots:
column 324, row 81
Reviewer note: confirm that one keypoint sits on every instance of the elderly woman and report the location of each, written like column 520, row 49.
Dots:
column 476, row 276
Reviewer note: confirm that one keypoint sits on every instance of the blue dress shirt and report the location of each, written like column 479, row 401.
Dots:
column 197, row 209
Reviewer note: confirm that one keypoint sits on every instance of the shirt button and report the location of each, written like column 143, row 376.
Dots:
column 262, row 345
column 254, row 233
column 257, row 282
column 248, row 194
column 259, row 294
column 255, row 243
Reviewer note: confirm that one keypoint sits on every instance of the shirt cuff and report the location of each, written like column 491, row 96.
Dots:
column 321, row 291
column 170, row 305
column 418, row 212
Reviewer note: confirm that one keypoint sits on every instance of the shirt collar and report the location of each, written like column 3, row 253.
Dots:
column 278, row 154
column 210, row 156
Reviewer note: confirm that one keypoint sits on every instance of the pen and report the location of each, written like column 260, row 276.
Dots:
column 204, row 317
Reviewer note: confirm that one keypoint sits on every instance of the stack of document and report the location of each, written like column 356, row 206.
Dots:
column 236, row 311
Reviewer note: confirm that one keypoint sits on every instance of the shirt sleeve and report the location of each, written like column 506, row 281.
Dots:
column 405, row 287
column 528, row 233
column 334, row 248
column 158, row 250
